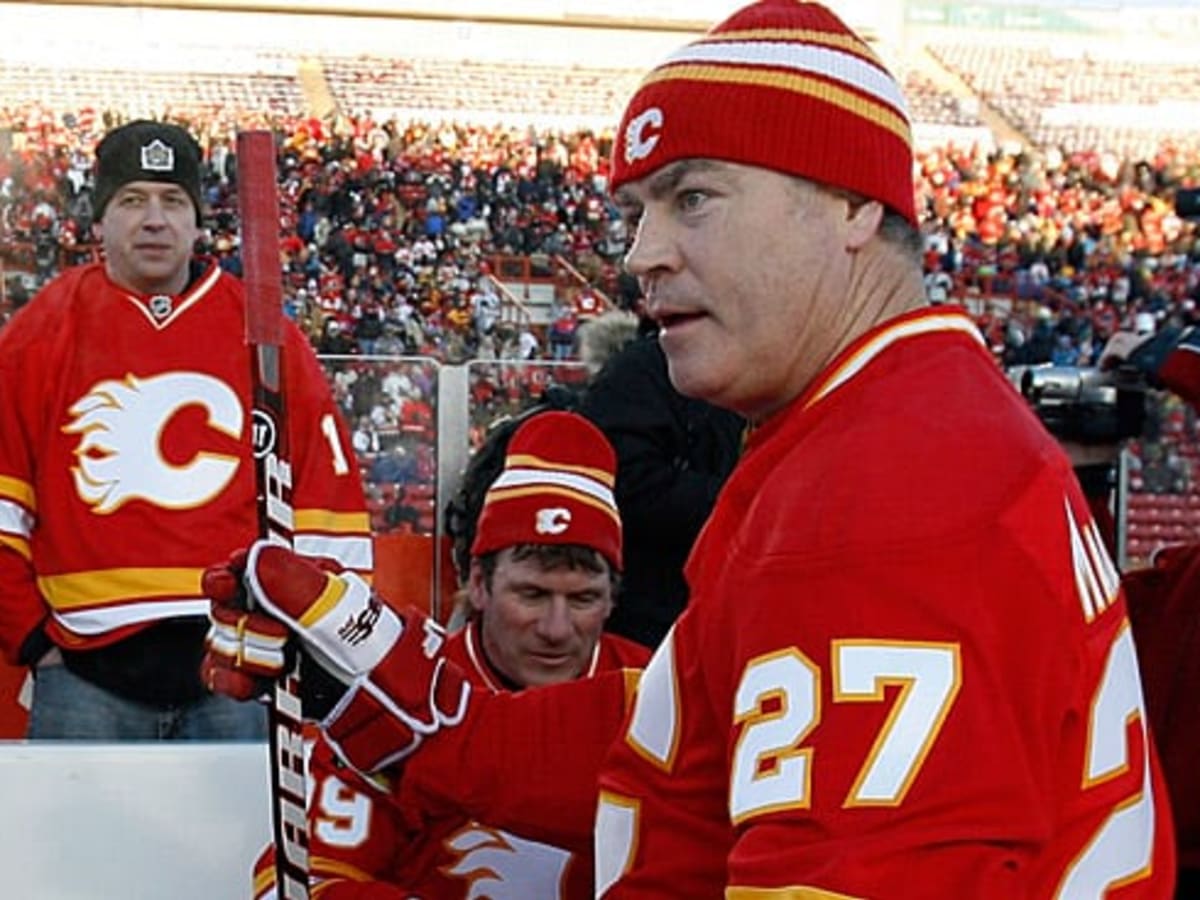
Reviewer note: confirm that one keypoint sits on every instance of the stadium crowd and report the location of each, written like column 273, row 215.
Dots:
column 395, row 235
column 392, row 229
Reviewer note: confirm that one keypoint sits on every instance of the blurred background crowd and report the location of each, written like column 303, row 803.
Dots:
column 423, row 216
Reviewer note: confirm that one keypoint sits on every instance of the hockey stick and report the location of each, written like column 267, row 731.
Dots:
column 258, row 207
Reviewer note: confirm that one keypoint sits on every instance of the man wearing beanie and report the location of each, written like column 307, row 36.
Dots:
column 126, row 462
column 905, row 668
column 543, row 569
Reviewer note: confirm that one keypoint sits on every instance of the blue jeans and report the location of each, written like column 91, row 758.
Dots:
column 72, row 708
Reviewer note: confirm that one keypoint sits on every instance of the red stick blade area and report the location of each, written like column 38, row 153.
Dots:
column 258, row 208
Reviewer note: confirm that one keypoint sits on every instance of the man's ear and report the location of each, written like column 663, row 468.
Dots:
column 476, row 589
column 863, row 223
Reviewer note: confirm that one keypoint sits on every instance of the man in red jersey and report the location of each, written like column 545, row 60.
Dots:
column 905, row 669
column 537, row 601
column 125, row 462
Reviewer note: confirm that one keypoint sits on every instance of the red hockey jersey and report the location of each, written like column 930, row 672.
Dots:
column 373, row 840
column 905, row 669
column 125, row 461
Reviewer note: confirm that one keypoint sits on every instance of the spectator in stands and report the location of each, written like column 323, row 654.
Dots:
column 526, row 347
column 536, row 602
column 563, row 324
column 396, row 465
column 334, row 339
column 125, row 462
column 897, row 517
column 673, row 456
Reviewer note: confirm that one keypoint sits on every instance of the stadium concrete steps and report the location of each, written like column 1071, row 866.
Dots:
column 925, row 62
column 318, row 97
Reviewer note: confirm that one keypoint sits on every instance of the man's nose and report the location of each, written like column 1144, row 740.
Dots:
column 652, row 251
column 155, row 216
column 555, row 621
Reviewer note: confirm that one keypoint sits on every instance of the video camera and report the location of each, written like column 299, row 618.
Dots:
column 1085, row 405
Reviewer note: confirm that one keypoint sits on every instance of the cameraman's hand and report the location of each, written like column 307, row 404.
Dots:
column 1091, row 454
column 1119, row 349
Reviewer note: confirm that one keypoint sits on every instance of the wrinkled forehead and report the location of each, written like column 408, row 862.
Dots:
column 540, row 563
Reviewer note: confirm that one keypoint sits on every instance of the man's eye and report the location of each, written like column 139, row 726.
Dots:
column 689, row 200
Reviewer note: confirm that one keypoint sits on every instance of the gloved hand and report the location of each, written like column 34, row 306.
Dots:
column 400, row 688
column 244, row 651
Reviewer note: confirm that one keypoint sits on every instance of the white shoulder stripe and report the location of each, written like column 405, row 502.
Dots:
column 351, row 552
column 15, row 519
column 1096, row 578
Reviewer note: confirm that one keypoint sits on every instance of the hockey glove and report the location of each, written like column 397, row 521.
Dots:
column 244, row 651
column 400, row 689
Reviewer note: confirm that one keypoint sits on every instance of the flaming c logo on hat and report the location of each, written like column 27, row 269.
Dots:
column 554, row 520
column 640, row 141
column 556, row 488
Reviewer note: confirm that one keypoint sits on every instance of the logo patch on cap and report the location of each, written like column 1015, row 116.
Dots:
column 642, row 134
column 158, row 156
column 553, row 520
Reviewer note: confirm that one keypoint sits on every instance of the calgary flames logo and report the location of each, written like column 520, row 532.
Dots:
column 119, row 458
column 500, row 866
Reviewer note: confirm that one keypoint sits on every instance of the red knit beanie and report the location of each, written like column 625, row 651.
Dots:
column 556, row 488
column 781, row 85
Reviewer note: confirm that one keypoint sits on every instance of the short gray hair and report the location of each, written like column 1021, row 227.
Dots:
column 903, row 235
column 894, row 229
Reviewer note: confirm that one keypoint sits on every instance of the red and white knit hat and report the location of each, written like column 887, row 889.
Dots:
column 556, row 488
column 782, row 85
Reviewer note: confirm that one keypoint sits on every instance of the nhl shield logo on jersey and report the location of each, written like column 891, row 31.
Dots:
column 157, row 156
column 161, row 306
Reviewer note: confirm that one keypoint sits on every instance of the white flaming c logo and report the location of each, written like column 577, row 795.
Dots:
column 122, row 422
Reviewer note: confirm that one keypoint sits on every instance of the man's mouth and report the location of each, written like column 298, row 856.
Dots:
column 670, row 320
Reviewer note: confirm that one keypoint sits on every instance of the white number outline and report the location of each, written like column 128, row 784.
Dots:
column 329, row 429
column 344, row 814
column 882, row 664
column 786, row 783
column 1122, row 849
column 773, row 678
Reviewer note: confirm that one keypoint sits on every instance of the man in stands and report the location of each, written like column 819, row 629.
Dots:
column 544, row 564
column 905, row 668
column 125, row 462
